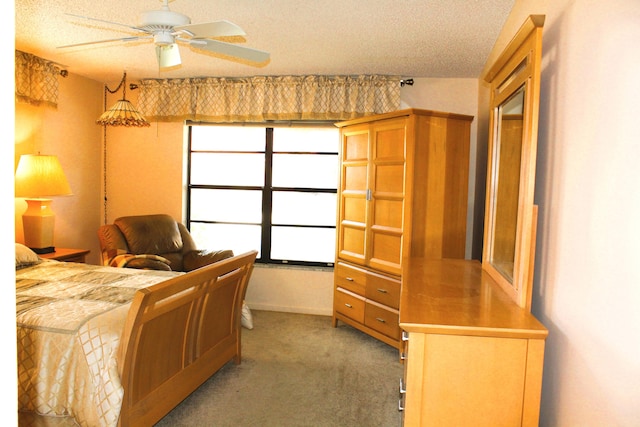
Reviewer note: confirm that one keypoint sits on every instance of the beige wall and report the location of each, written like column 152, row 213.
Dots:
column 9, row 401
column 69, row 132
column 148, row 161
column 145, row 175
column 454, row 96
column 291, row 289
column 144, row 170
column 587, row 283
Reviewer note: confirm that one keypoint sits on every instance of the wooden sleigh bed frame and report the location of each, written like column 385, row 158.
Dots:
column 178, row 333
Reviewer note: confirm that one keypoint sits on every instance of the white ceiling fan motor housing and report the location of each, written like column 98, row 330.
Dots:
column 163, row 17
column 161, row 23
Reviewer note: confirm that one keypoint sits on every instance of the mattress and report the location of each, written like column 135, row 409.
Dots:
column 69, row 320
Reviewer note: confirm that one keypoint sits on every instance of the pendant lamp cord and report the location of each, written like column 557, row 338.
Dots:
column 123, row 85
column 104, row 169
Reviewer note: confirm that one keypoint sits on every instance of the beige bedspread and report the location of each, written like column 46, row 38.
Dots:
column 69, row 321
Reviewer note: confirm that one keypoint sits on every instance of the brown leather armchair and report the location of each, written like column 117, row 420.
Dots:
column 156, row 242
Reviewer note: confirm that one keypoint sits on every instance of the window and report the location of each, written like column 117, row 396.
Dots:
column 273, row 189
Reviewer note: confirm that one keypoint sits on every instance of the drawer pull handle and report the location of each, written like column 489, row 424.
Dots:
column 382, row 291
column 403, row 390
column 349, row 279
column 348, row 305
column 381, row 320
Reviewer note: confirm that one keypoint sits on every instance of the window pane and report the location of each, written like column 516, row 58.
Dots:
column 303, row 244
column 227, row 138
column 239, row 238
column 227, row 169
column 226, row 205
column 228, row 163
column 303, row 208
column 305, row 171
column 306, row 140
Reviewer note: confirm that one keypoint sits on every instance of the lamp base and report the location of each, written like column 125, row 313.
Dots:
column 41, row 251
column 38, row 221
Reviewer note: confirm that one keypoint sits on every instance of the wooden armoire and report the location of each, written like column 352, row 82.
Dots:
column 403, row 192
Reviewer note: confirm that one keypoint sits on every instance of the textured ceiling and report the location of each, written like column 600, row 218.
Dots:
column 408, row 38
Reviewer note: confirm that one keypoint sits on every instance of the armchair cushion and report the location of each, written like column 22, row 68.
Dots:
column 199, row 258
column 138, row 229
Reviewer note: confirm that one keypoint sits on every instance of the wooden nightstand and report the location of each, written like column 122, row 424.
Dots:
column 67, row 255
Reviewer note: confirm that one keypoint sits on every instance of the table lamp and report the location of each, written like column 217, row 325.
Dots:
column 39, row 177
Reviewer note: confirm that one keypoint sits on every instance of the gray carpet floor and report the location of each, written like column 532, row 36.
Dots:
column 297, row 370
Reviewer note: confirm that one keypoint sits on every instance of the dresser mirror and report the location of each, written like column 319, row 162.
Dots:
column 510, row 215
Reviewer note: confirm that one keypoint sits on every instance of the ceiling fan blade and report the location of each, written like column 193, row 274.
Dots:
column 212, row 29
column 131, row 27
column 168, row 56
column 229, row 49
column 121, row 39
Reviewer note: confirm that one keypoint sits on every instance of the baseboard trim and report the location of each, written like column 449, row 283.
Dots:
column 286, row 309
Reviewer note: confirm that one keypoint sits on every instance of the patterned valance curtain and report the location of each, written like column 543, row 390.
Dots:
column 36, row 80
column 258, row 99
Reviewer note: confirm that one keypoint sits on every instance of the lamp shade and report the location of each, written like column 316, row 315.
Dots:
column 40, row 176
column 122, row 114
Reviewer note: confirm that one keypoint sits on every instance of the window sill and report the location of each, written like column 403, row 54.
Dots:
column 293, row 267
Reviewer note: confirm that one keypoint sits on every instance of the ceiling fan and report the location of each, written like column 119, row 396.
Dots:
column 166, row 28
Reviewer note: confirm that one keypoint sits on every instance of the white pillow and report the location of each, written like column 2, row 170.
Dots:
column 25, row 256
column 247, row 317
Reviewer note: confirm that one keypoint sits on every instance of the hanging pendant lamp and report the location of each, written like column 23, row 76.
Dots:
column 122, row 113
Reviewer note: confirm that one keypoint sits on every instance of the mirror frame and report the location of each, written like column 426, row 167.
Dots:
column 518, row 66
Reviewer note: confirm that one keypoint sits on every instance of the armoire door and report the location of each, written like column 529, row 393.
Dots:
column 387, row 185
column 373, row 194
column 352, row 217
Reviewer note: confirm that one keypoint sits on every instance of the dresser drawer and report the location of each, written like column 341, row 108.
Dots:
column 382, row 319
column 349, row 304
column 350, row 278
column 383, row 289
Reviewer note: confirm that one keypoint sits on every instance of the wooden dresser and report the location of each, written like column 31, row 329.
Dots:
column 473, row 356
column 474, row 352
column 403, row 191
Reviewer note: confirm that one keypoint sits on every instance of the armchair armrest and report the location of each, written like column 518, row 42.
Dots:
column 199, row 258
column 145, row 262
column 112, row 242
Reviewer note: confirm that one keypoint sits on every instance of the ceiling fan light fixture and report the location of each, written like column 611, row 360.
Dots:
column 168, row 56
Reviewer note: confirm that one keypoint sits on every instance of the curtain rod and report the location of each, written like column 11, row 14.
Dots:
column 272, row 123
